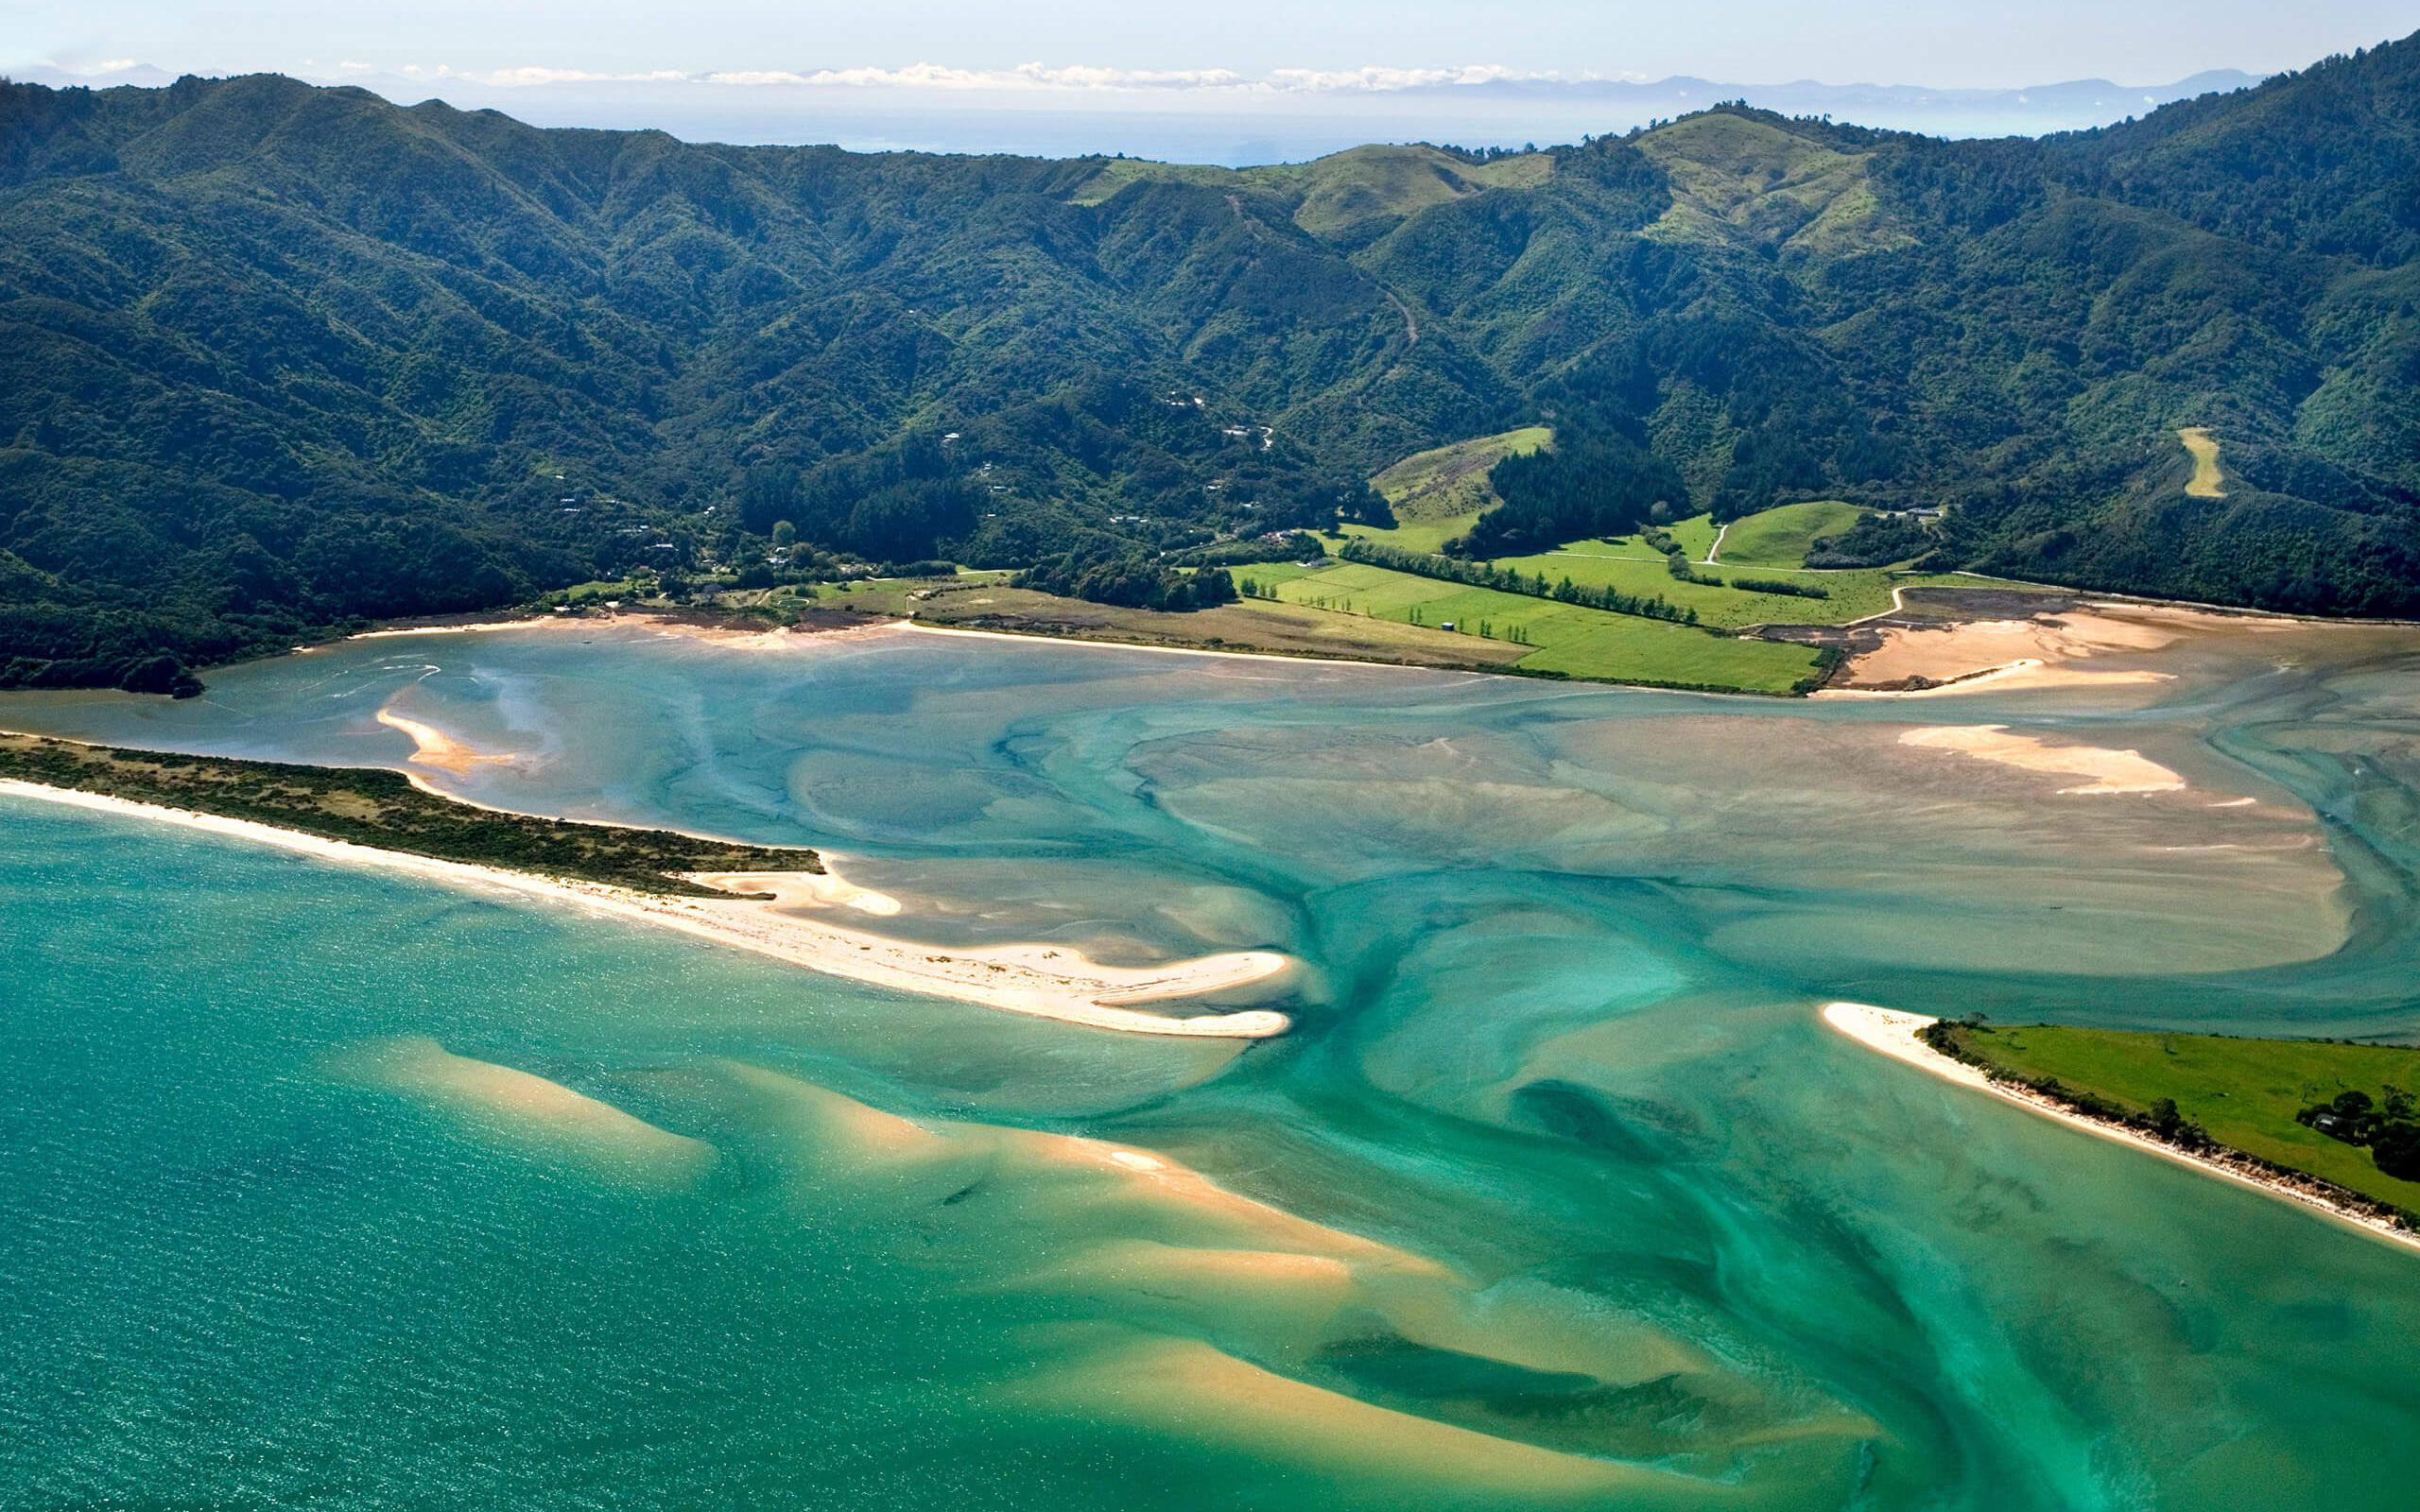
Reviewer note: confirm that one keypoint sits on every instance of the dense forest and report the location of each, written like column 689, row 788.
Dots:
column 276, row 359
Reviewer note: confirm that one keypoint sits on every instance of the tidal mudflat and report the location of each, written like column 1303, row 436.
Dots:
column 1557, row 1191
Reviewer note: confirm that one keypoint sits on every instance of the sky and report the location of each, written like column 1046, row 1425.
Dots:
column 1105, row 45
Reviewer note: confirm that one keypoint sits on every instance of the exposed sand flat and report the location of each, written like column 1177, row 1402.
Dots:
column 1894, row 1033
column 2043, row 652
column 2023, row 673
column 802, row 889
column 530, row 1109
column 432, row 746
column 2111, row 771
column 1042, row 981
column 1186, row 1385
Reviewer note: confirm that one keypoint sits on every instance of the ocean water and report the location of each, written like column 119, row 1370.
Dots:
column 325, row 1187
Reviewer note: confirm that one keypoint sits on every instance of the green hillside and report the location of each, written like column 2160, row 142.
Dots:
column 275, row 359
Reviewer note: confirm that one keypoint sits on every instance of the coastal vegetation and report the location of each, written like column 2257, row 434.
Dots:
column 2314, row 1107
column 280, row 360
column 382, row 809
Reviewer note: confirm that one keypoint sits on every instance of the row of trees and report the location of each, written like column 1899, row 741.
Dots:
column 1504, row 579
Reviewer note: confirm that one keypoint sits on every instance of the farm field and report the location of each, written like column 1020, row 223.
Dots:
column 1561, row 637
column 2245, row 1093
column 1775, row 540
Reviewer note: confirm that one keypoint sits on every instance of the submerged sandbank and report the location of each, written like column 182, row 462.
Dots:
column 1896, row 1034
column 1161, row 1384
column 529, row 1108
column 1042, row 981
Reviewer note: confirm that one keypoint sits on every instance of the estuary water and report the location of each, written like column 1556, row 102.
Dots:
column 326, row 1187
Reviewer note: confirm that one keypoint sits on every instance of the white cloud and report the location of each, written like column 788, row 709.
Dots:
column 1076, row 77
column 533, row 76
column 115, row 65
column 1377, row 81
column 350, row 67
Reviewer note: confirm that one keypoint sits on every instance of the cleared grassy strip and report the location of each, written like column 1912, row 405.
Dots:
column 1779, row 537
column 1564, row 638
column 1439, row 493
column 2245, row 1093
column 1417, row 535
column 2207, row 481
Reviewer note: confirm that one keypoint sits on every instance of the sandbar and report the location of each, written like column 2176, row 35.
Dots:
column 1042, row 981
column 2110, row 771
column 1894, row 1033
column 432, row 746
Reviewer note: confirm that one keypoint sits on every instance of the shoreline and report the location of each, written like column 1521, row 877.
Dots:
column 1037, row 980
column 1036, row 637
column 1894, row 1033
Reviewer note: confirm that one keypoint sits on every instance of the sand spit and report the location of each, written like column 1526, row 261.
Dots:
column 2111, row 771
column 529, row 1110
column 1894, row 1033
column 1042, row 981
column 432, row 746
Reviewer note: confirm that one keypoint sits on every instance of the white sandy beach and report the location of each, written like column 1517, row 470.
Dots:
column 1040, row 980
column 1894, row 1033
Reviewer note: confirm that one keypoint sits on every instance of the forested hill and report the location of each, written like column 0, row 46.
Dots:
column 274, row 356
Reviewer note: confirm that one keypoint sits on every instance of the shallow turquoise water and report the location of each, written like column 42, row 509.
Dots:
column 1556, row 1040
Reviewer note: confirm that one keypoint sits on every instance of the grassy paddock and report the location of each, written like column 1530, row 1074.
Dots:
column 1773, row 542
column 1561, row 637
column 1780, row 537
column 2245, row 1093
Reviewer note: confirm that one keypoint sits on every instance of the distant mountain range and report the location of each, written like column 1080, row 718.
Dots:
column 273, row 356
column 1235, row 125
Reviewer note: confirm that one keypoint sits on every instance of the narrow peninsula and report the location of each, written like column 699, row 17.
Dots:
column 759, row 899
column 374, row 807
